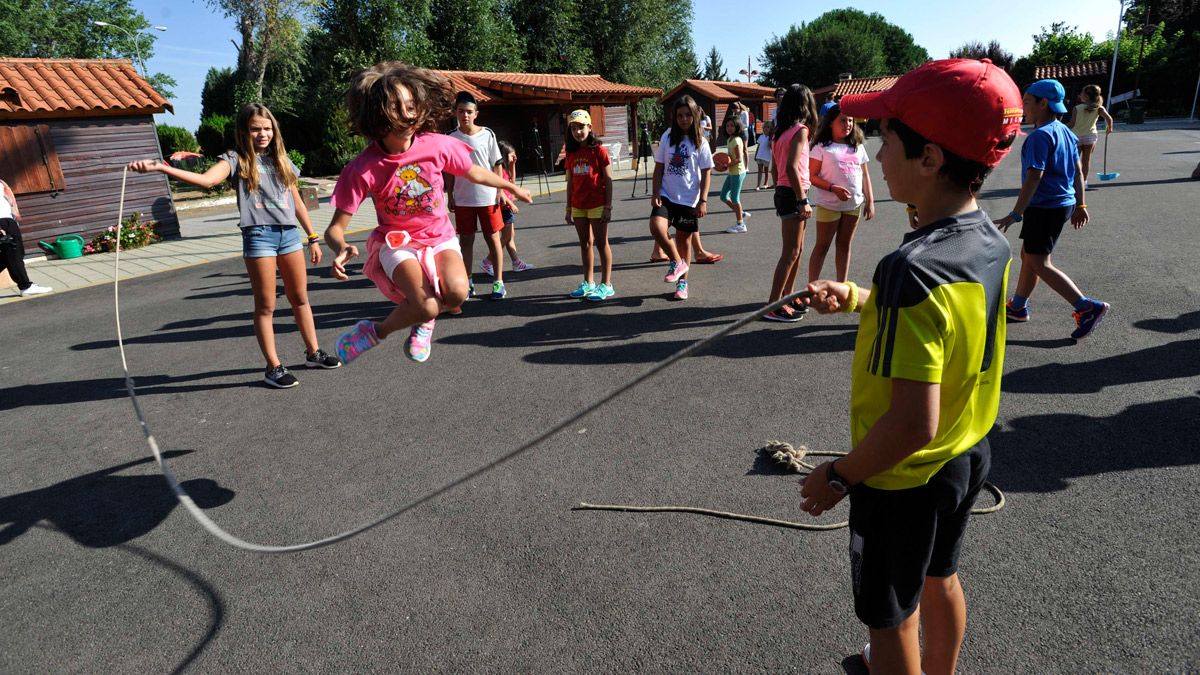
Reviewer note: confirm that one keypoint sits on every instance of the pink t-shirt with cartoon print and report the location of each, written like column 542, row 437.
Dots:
column 407, row 188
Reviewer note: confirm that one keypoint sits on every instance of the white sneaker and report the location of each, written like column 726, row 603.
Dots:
column 486, row 266
column 736, row 229
column 34, row 289
column 746, row 216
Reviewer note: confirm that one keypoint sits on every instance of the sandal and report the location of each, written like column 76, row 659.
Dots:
column 658, row 260
column 714, row 258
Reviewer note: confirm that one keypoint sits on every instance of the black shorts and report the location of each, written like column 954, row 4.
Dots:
column 899, row 537
column 1042, row 227
column 682, row 218
column 786, row 204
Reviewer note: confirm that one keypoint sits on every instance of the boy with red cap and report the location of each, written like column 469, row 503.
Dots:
column 925, row 387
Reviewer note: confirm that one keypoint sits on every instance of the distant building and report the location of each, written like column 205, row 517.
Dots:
column 714, row 97
column 68, row 127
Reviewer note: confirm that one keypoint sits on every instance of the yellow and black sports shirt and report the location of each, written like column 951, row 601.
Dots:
column 935, row 314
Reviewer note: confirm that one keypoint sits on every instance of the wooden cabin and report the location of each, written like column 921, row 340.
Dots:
column 530, row 111
column 714, row 97
column 68, row 127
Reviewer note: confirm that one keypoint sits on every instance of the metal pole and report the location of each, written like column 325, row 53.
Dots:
column 1112, row 72
column 1194, row 97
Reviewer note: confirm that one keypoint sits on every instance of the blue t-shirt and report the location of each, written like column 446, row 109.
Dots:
column 1053, row 150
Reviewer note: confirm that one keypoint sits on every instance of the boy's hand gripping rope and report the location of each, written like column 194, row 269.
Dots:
column 216, row 530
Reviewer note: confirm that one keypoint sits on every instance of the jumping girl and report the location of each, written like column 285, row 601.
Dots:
column 797, row 114
column 413, row 255
column 272, row 215
column 507, row 167
column 589, row 203
column 1083, row 123
column 731, row 191
column 683, row 162
column 841, row 190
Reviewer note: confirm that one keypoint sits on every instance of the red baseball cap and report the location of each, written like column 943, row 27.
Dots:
column 966, row 106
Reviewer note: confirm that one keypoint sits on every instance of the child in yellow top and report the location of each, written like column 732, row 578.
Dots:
column 1083, row 123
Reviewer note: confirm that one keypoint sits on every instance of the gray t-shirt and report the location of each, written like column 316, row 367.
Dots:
column 271, row 203
column 485, row 152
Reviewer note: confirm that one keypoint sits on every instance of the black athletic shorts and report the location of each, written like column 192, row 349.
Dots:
column 1042, row 227
column 682, row 218
column 899, row 537
column 786, row 204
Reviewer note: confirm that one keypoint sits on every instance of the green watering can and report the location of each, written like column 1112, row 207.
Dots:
column 67, row 246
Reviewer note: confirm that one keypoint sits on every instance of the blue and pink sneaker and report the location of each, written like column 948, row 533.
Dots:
column 351, row 344
column 420, row 341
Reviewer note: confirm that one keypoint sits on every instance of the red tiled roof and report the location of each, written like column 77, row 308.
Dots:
column 42, row 88
column 1063, row 71
column 513, row 87
column 722, row 91
column 864, row 85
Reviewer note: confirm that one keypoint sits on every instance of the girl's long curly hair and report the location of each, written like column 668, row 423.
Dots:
column 374, row 102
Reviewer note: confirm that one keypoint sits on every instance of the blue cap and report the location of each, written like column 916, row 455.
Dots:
column 1052, row 91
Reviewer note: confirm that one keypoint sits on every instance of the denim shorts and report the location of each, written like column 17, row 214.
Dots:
column 265, row 241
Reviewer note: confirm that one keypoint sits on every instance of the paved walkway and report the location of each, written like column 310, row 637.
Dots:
column 209, row 236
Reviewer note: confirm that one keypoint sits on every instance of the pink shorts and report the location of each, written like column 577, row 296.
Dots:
column 383, row 258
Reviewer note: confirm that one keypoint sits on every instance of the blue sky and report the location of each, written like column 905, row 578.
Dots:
column 199, row 37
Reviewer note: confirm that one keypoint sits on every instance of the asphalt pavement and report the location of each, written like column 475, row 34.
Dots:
column 1092, row 567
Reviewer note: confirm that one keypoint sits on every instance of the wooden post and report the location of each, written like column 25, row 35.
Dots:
column 634, row 134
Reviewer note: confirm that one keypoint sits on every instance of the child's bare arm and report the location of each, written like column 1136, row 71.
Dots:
column 868, row 195
column 656, row 183
column 1079, row 216
column 909, row 425
column 335, row 238
column 1028, row 187
column 1108, row 120
column 606, row 175
column 482, row 176
column 705, row 180
column 215, row 175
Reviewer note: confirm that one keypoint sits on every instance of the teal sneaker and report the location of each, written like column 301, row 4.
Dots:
column 583, row 289
column 600, row 292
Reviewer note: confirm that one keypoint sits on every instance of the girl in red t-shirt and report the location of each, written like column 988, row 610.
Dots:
column 589, row 203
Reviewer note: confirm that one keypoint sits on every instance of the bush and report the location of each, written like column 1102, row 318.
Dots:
column 215, row 134
column 297, row 158
column 173, row 139
column 135, row 233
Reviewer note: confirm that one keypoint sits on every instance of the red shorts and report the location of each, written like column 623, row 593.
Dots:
column 489, row 219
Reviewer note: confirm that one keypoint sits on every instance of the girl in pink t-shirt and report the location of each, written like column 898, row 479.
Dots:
column 789, row 150
column 412, row 255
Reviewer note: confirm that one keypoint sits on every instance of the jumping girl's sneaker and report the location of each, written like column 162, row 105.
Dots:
column 420, row 341
column 681, row 292
column 280, row 378
column 319, row 359
column 351, row 344
column 675, row 271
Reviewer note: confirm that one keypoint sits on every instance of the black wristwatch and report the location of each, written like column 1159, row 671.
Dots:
column 836, row 482
column 802, row 202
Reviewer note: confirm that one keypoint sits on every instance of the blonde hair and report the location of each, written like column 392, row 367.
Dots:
column 1092, row 94
column 374, row 103
column 248, row 155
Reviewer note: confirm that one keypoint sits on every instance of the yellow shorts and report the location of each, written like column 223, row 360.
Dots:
column 591, row 214
column 824, row 215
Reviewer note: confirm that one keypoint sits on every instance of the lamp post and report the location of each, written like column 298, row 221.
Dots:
column 133, row 38
column 1112, row 72
column 748, row 72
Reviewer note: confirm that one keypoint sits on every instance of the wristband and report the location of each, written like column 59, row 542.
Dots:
column 314, row 240
column 1016, row 217
column 852, row 300
column 1081, row 206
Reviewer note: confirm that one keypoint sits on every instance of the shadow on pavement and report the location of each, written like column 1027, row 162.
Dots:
column 100, row 509
column 1180, row 324
column 1041, row 453
column 1165, row 362
column 79, row 391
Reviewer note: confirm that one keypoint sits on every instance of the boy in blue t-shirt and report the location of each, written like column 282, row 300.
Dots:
column 1051, row 192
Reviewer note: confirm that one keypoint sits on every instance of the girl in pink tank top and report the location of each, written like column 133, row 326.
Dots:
column 789, row 148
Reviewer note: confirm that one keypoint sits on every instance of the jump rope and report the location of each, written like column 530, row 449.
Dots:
column 794, row 456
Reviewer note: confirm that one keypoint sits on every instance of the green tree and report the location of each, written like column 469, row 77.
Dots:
column 63, row 29
column 216, row 98
column 713, row 67
column 475, row 35
column 552, row 41
column 271, row 32
column 837, row 42
column 992, row 50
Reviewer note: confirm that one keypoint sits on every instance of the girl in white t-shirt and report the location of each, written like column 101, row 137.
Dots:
column 762, row 156
column 837, row 166
column 683, row 164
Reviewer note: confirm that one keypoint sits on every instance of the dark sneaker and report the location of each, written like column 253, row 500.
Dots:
column 783, row 316
column 1015, row 315
column 1087, row 320
column 319, row 359
column 280, row 378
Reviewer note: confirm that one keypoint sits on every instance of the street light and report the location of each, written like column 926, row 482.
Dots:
column 748, row 72
column 133, row 38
